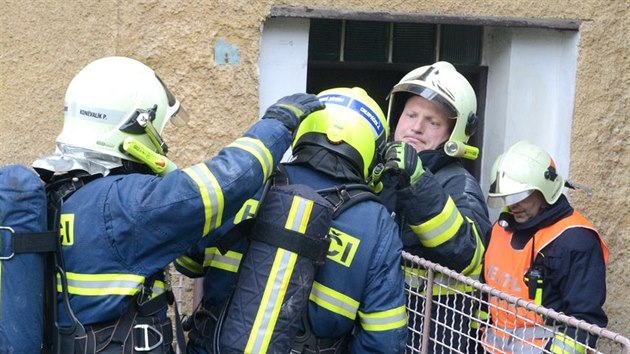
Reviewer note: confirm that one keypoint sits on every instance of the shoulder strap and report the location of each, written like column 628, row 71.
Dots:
column 345, row 196
column 60, row 339
column 341, row 196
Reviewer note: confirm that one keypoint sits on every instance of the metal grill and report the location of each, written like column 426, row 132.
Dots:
column 455, row 303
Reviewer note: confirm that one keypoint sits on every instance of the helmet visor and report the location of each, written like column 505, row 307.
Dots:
column 175, row 112
column 498, row 201
column 428, row 94
column 180, row 117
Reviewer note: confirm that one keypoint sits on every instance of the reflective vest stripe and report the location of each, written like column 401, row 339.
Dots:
column 278, row 281
column 229, row 261
column 563, row 344
column 259, row 151
column 384, row 320
column 519, row 340
column 334, row 301
column 189, row 264
column 441, row 227
column 211, row 195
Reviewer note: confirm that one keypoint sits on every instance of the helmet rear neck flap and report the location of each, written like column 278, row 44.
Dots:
column 442, row 85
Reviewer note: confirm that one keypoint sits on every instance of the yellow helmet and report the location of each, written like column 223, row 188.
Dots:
column 522, row 169
column 352, row 125
column 443, row 85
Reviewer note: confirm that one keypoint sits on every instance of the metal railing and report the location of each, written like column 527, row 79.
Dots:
column 455, row 305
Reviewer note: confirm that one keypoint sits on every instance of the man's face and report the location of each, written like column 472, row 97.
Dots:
column 423, row 125
column 528, row 208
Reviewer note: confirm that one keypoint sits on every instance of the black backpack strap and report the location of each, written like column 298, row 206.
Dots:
column 312, row 248
column 35, row 242
column 232, row 237
column 56, row 338
column 345, row 196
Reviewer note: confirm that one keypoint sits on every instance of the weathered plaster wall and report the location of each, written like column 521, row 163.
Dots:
column 43, row 44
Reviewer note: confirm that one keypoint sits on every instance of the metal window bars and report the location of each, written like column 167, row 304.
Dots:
column 455, row 305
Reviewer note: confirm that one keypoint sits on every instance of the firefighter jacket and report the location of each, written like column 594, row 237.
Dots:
column 444, row 216
column 119, row 230
column 359, row 290
column 571, row 257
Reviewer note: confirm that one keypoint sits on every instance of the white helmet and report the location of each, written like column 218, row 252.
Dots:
column 114, row 98
column 441, row 84
column 519, row 171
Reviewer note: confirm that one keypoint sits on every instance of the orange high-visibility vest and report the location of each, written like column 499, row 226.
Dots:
column 504, row 270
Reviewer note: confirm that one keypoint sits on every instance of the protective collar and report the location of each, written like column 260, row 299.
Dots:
column 69, row 158
column 327, row 162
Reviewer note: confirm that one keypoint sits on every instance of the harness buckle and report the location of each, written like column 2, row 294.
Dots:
column 12, row 232
column 145, row 330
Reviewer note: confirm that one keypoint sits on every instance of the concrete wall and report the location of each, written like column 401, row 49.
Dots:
column 45, row 43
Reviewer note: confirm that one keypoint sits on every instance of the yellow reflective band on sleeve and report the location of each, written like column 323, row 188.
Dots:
column 441, row 227
column 189, row 264
column 211, row 195
column 442, row 285
column 563, row 344
column 479, row 317
column 299, row 214
column 334, row 301
column 271, row 302
column 229, row 261
column 259, row 151
column 384, row 320
column 476, row 264
column 102, row 284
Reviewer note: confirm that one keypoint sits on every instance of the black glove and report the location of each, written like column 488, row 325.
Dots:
column 290, row 110
column 401, row 159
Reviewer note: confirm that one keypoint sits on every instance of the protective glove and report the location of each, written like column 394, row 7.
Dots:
column 402, row 160
column 290, row 110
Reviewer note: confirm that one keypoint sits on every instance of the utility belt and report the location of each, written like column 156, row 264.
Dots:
column 145, row 335
column 142, row 329
column 202, row 334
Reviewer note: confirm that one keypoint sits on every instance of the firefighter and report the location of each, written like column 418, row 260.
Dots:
column 554, row 256
column 357, row 300
column 436, row 201
column 121, row 224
